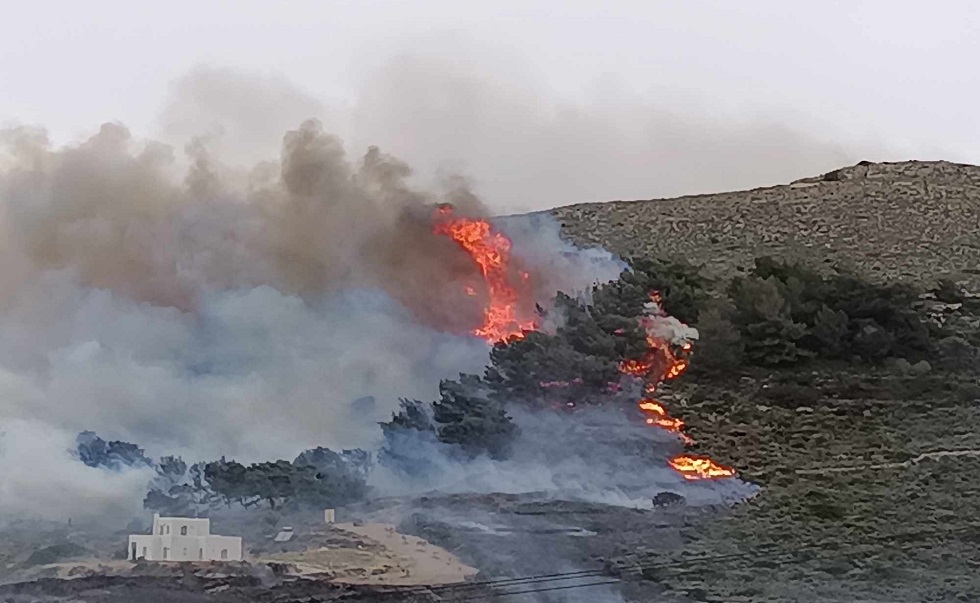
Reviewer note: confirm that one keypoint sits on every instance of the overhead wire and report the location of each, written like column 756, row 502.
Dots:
column 772, row 555
column 771, row 552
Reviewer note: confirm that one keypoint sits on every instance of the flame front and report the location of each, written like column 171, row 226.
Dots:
column 505, row 318
column 662, row 362
column 694, row 467
column 490, row 250
column 657, row 415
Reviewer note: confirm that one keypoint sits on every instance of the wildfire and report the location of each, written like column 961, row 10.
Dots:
column 490, row 250
column 694, row 467
column 505, row 317
column 657, row 415
column 635, row 367
column 659, row 363
column 662, row 362
column 652, row 406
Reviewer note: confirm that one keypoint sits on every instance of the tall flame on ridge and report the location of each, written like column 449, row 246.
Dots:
column 503, row 318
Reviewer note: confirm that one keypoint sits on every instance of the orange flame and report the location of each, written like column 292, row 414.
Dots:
column 694, row 467
column 635, row 367
column 660, row 363
column 657, row 416
column 676, row 369
column 490, row 250
column 652, row 406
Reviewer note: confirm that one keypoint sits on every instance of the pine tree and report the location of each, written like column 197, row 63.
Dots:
column 464, row 416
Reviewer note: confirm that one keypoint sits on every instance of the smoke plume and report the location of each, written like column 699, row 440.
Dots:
column 200, row 308
column 485, row 112
column 206, row 297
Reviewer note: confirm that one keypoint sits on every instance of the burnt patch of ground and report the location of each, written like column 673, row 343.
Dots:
column 520, row 536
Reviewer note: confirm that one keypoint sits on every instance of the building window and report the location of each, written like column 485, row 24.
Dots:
column 200, row 553
column 166, row 552
column 144, row 552
column 161, row 530
column 183, row 530
column 224, row 553
column 168, row 529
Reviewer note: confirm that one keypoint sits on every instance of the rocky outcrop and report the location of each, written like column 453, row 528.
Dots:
column 911, row 220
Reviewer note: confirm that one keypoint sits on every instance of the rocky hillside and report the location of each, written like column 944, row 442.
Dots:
column 908, row 220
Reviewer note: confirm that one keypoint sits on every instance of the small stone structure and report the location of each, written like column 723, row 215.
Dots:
column 183, row 539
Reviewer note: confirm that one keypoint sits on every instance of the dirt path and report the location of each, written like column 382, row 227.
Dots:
column 385, row 557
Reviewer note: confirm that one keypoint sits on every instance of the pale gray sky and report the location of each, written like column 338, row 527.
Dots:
column 540, row 103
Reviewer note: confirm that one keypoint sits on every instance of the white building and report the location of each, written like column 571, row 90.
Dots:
column 183, row 539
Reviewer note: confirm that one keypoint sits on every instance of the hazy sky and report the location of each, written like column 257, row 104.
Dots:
column 540, row 103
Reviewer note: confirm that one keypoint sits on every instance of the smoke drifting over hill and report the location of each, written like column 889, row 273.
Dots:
column 206, row 297
column 214, row 310
column 486, row 113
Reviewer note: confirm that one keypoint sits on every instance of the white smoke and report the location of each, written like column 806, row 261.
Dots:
column 39, row 477
column 561, row 265
column 598, row 455
column 211, row 311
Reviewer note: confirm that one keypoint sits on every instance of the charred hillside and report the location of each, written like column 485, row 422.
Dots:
column 906, row 220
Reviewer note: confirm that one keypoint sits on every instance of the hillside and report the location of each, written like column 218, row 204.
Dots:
column 867, row 471
column 909, row 220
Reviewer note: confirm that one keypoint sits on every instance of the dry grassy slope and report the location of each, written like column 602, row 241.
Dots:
column 910, row 220
column 834, row 537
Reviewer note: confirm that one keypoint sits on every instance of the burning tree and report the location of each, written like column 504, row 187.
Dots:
column 575, row 364
column 509, row 310
column 669, row 346
column 616, row 335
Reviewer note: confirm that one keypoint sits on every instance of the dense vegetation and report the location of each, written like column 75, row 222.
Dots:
column 786, row 315
column 776, row 315
column 318, row 477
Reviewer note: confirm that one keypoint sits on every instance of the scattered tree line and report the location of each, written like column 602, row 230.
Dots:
column 782, row 315
column 318, row 477
column 573, row 360
column 778, row 314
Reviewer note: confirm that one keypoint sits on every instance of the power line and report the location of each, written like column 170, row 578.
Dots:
column 534, row 590
column 771, row 552
column 774, row 555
